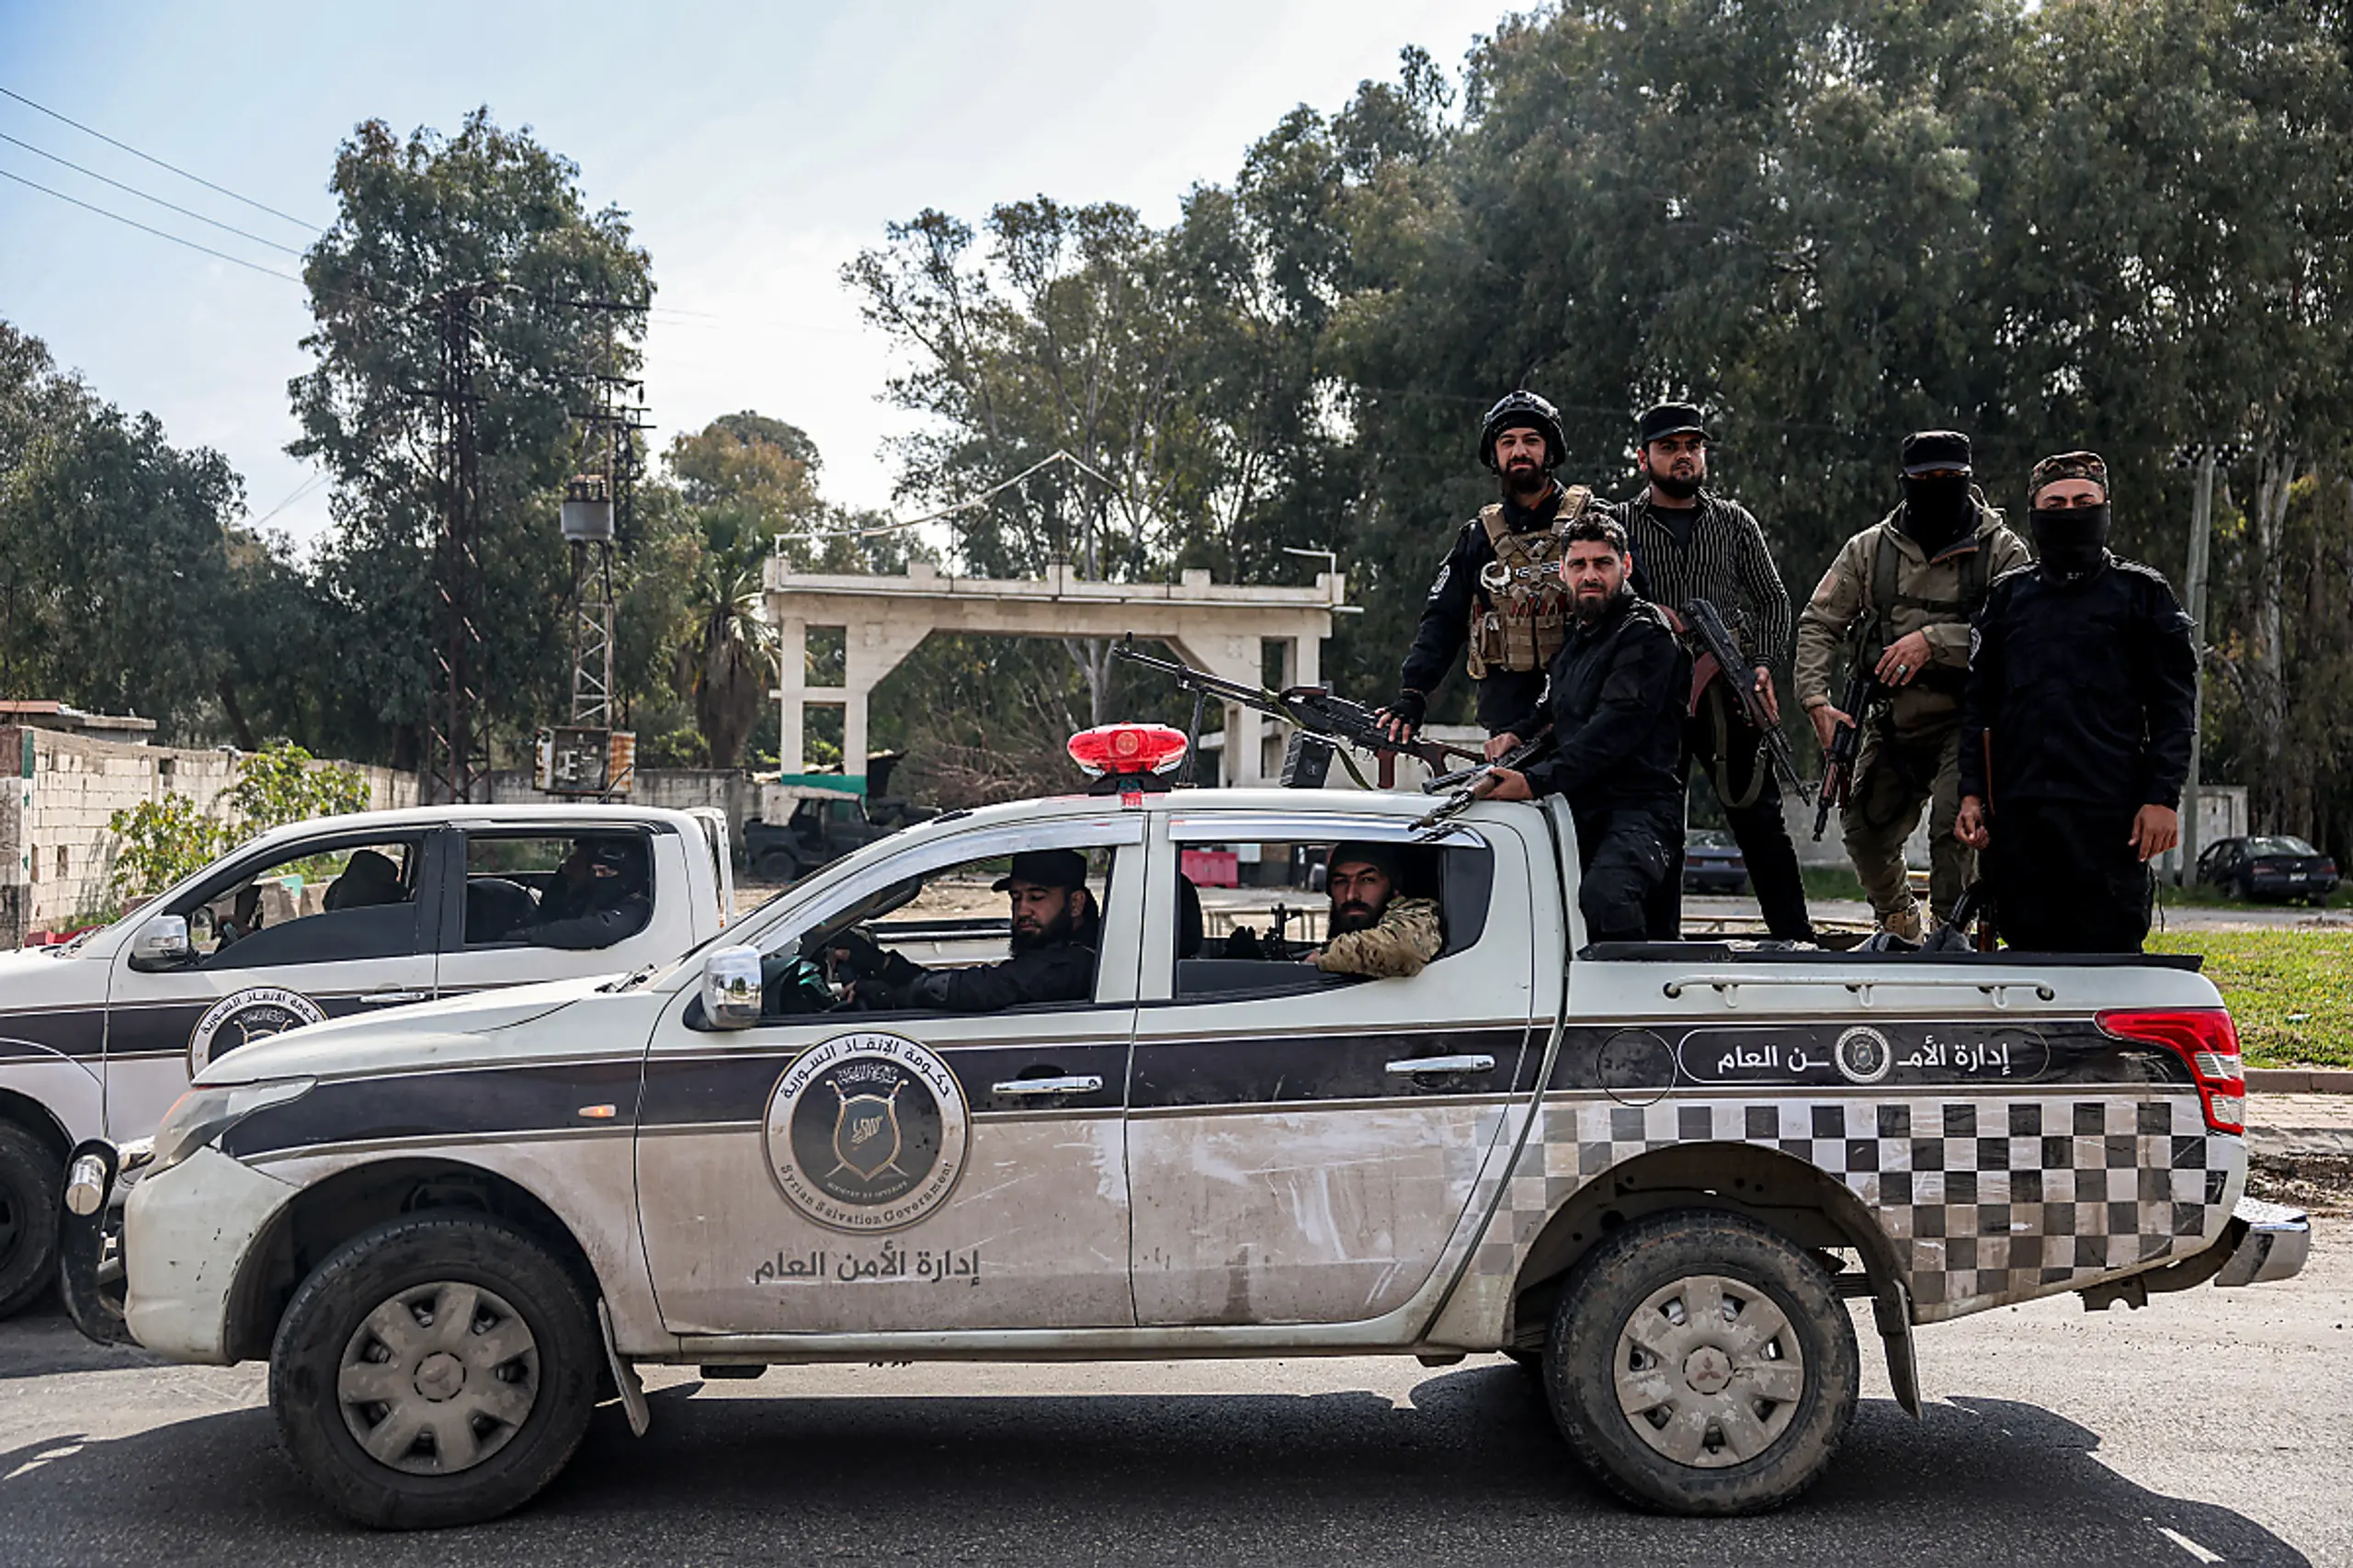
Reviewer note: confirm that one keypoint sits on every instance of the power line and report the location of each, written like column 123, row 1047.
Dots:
column 225, row 190
column 183, row 212
column 86, row 207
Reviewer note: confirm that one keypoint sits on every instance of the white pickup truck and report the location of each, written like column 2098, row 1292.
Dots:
column 318, row 920
column 1656, row 1175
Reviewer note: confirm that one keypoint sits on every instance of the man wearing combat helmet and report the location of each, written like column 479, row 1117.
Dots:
column 1498, row 597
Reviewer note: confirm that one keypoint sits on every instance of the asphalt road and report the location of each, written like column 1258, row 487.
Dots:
column 2213, row 1426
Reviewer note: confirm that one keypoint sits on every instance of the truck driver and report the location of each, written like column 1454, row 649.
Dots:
column 1054, row 931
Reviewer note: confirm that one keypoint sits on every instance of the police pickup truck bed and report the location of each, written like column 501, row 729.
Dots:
column 321, row 919
column 1656, row 1176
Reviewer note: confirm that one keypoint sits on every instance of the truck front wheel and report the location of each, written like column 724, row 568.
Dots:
column 30, row 1181
column 1698, row 1363
column 438, row 1369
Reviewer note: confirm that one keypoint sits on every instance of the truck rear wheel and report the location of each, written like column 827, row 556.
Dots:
column 31, row 1184
column 777, row 866
column 1698, row 1363
column 438, row 1369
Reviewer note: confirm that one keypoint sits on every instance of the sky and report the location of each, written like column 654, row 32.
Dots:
column 755, row 148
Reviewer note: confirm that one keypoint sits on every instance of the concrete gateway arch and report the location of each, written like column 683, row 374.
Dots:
column 1221, row 628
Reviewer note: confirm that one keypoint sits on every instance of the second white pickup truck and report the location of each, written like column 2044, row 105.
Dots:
column 322, row 919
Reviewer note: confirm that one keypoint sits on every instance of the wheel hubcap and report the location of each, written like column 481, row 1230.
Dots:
column 1709, row 1371
column 439, row 1378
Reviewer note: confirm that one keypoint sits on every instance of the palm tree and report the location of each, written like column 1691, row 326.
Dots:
column 724, row 665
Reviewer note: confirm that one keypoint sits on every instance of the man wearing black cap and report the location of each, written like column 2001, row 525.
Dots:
column 1371, row 930
column 1498, row 590
column 1054, row 948
column 599, row 897
column 2075, row 726
column 1691, row 543
column 1905, row 589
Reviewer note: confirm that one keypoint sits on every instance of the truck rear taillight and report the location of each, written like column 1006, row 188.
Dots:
column 2206, row 1039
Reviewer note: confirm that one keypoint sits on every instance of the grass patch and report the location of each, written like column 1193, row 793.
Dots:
column 2292, row 992
column 1823, row 884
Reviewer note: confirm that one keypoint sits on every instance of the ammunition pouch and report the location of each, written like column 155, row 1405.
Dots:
column 1519, row 617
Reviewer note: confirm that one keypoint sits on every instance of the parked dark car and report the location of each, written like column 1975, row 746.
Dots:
column 1711, row 863
column 826, row 825
column 2271, row 865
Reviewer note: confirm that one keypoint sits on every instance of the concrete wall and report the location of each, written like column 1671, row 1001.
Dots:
column 56, row 854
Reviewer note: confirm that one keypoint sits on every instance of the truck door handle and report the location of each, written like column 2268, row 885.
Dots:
column 1038, row 1089
column 389, row 998
column 1419, row 1066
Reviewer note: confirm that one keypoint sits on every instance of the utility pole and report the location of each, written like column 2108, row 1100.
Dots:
column 457, row 760
column 2202, row 519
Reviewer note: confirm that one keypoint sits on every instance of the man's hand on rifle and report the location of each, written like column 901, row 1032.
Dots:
column 1765, row 693
column 1503, row 784
column 1828, row 720
column 1969, row 825
column 1501, row 745
column 1403, row 716
column 1904, row 659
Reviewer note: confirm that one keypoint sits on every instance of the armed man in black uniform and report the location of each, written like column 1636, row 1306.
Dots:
column 1695, row 544
column 1499, row 589
column 2076, row 724
column 1616, row 694
column 599, row 898
column 1054, row 934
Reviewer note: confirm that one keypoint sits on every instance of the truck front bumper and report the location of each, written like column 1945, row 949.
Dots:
column 89, row 1243
column 2272, row 1241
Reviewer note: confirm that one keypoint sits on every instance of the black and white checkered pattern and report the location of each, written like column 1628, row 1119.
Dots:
column 1987, row 1200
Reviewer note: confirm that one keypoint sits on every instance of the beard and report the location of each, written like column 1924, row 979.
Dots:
column 1353, row 916
column 1052, row 933
column 1676, row 485
column 1591, row 607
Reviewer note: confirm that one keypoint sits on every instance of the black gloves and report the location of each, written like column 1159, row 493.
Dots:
column 1409, row 705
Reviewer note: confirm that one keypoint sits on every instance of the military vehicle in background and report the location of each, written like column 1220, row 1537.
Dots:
column 803, row 826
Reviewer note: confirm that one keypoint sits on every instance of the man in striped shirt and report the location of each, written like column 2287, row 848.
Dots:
column 1691, row 543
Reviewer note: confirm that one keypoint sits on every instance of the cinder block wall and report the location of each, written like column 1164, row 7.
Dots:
column 56, row 852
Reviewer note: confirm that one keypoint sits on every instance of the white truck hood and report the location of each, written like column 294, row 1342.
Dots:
column 32, row 977
column 415, row 1035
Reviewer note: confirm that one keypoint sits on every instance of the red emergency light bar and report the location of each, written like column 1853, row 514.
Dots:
column 1118, row 750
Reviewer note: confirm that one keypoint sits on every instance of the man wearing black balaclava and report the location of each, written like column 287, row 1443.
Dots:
column 2076, row 727
column 1904, row 589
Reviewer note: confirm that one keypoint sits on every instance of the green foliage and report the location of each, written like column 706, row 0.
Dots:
column 487, row 232
column 158, row 842
column 285, row 784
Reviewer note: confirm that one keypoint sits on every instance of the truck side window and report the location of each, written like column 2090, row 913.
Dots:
column 947, row 941
column 583, row 890
column 313, row 904
column 1251, row 915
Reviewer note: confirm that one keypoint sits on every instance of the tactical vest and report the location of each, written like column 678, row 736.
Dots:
column 1520, row 618
column 1886, row 561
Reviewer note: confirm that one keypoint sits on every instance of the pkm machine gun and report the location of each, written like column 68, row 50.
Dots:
column 1716, row 644
column 1864, row 690
column 1325, row 721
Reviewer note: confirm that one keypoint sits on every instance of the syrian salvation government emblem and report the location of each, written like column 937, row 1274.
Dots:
column 244, row 1016
column 867, row 1132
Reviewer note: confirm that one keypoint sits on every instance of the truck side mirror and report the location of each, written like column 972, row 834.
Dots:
column 162, row 943
column 731, row 987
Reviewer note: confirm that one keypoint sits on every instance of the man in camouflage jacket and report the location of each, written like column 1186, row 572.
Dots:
column 1904, row 589
column 1372, row 931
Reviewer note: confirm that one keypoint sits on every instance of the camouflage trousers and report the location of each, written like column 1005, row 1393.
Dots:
column 1895, row 776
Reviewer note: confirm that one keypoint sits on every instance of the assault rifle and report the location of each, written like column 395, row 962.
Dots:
column 1314, row 709
column 1717, row 642
column 1863, row 690
column 1461, row 787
